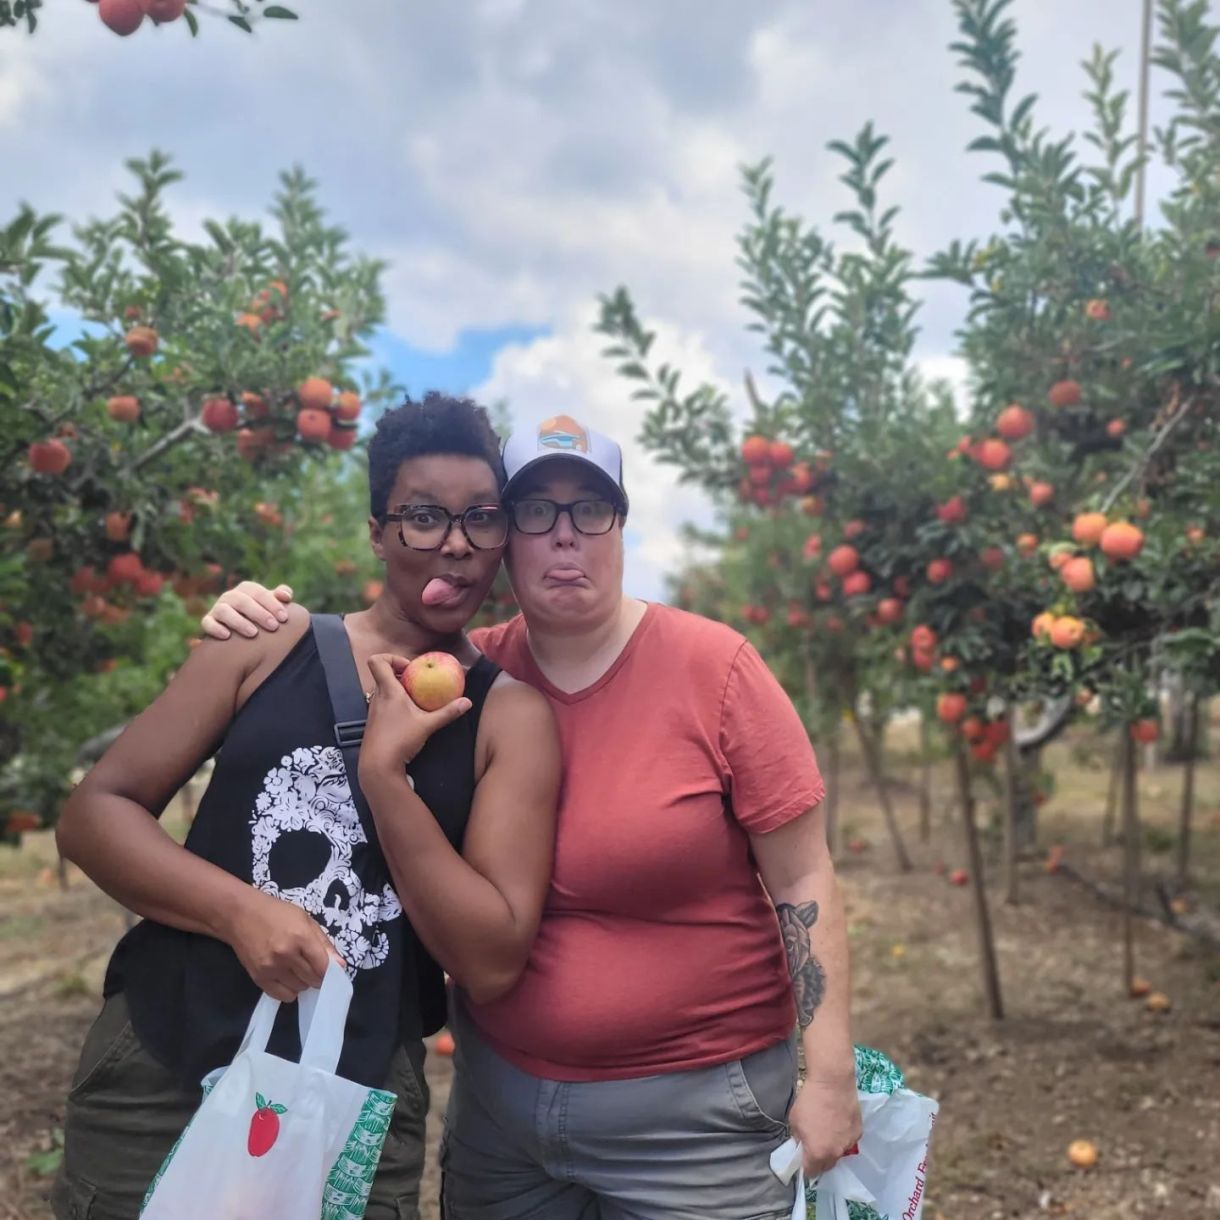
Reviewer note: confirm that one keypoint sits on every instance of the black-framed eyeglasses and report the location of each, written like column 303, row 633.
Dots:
column 591, row 517
column 424, row 527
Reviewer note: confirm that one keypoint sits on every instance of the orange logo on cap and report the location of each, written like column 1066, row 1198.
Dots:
column 563, row 432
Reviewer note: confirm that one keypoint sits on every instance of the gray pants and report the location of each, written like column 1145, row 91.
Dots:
column 681, row 1146
column 125, row 1111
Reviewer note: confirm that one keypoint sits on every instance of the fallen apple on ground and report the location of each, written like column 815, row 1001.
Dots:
column 1082, row 1154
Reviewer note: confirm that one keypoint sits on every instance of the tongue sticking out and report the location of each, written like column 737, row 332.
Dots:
column 441, row 592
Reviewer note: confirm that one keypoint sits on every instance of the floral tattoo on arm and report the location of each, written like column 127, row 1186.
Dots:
column 808, row 977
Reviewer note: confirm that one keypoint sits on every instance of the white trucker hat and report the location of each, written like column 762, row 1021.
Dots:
column 562, row 437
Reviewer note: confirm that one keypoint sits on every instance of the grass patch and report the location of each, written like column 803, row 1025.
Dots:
column 20, row 927
column 72, row 985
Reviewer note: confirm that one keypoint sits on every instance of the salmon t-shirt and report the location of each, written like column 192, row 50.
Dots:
column 659, row 949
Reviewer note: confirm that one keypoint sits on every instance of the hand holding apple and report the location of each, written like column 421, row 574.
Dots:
column 434, row 679
column 399, row 724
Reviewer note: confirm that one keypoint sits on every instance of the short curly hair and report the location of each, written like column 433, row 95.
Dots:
column 439, row 423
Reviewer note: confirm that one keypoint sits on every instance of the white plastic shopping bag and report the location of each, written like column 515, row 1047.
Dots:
column 277, row 1140
column 889, row 1170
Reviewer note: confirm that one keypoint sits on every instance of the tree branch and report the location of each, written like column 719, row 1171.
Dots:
column 1141, row 466
column 1164, row 915
column 168, row 441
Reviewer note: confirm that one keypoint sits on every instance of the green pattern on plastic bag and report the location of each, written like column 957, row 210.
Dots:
column 207, row 1088
column 875, row 1073
column 164, row 1166
column 346, row 1193
column 347, row 1189
column 855, row 1211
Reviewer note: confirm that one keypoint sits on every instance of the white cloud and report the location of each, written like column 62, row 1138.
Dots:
column 22, row 89
column 434, row 292
column 565, row 372
column 952, row 370
column 514, row 158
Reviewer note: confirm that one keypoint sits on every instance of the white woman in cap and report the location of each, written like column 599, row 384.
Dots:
column 645, row 1064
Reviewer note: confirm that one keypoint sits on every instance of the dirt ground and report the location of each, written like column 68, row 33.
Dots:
column 1074, row 1058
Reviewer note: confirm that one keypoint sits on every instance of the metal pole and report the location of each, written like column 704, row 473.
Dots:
column 1145, row 66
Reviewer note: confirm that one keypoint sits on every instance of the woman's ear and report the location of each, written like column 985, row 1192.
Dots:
column 376, row 537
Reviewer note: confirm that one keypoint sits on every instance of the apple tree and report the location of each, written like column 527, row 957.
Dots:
column 176, row 413
column 1063, row 549
column 1093, row 352
column 814, row 512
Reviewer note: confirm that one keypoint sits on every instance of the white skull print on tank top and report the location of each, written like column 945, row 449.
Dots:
column 308, row 793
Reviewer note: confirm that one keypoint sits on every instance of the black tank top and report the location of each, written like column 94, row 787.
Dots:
column 279, row 814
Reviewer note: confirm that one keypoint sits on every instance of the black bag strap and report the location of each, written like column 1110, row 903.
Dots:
column 350, row 710
column 347, row 701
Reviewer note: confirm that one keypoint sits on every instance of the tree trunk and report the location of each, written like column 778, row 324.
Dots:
column 1180, row 744
column 1151, row 756
column 1188, row 789
column 925, row 780
column 1012, row 796
column 1131, row 857
column 1116, row 773
column 1187, row 722
column 1025, row 820
column 1154, row 751
column 833, row 772
column 991, row 973
column 1032, row 738
column 873, row 763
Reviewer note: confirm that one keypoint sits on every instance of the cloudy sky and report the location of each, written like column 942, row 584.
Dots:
column 514, row 158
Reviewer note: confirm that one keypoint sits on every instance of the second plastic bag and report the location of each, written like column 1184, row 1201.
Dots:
column 886, row 1177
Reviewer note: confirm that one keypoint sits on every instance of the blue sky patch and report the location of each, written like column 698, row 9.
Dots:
column 456, row 371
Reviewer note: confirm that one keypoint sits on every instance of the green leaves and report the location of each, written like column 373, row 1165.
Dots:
column 1066, row 288
column 691, row 431
column 13, row 12
column 188, row 498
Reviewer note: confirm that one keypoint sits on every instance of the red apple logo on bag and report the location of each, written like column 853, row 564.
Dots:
column 264, row 1126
